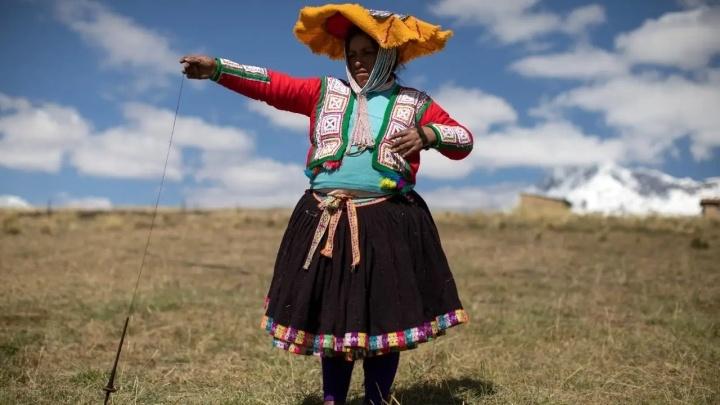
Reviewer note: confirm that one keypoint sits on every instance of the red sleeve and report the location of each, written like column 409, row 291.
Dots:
column 453, row 140
column 275, row 88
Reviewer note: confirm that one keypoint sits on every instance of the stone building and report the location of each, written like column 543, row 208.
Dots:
column 710, row 207
column 535, row 204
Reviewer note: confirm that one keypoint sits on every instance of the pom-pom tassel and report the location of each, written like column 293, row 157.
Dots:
column 332, row 164
column 311, row 173
column 388, row 184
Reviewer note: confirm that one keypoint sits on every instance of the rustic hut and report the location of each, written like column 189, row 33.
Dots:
column 710, row 207
column 535, row 204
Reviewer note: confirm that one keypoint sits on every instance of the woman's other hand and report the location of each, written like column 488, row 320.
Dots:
column 198, row 66
column 409, row 141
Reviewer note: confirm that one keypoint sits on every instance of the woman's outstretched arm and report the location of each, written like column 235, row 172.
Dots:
column 275, row 88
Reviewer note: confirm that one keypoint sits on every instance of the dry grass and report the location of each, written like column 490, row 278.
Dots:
column 574, row 310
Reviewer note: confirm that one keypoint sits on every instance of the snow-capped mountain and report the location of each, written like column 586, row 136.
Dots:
column 613, row 189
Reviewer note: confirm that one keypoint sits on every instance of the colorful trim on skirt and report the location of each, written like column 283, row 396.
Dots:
column 355, row 345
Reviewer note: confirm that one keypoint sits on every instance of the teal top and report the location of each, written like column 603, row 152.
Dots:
column 356, row 171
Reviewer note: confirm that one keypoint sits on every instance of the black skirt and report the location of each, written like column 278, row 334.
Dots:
column 400, row 294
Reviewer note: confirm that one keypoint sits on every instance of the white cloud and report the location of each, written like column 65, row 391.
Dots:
column 651, row 112
column 581, row 18
column 695, row 3
column 228, row 171
column 8, row 103
column 686, row 39
column 256, row 183
column 496, row 197
column 436, row 166
column 512, row 21
column 283, row 119
column 13, row 201
column 474, row 108
column 580, row 63
column 189, row 131
column 123, row 153
column 553, row 143
column 125, row 44
column 65, row 200
column 138, row 148
column 509, row 21
column 36, row 137
column 550, row 144
column 648, row 113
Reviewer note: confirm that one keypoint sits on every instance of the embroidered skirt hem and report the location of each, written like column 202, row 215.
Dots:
column 401, row 293
column 355, row 345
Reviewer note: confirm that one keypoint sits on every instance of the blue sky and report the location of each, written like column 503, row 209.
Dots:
column 88, row 90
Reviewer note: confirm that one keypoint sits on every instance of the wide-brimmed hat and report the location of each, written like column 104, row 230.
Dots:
column 324, row 28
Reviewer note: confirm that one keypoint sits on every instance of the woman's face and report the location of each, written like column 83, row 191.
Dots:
column 361, row 54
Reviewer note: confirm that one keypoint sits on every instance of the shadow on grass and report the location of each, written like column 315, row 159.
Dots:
column 448, row 392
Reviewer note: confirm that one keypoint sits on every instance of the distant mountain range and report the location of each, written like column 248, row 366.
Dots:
column 608, row 189
column 616, row 190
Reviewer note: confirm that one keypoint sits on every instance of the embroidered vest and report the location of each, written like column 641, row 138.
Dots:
column 330, row 134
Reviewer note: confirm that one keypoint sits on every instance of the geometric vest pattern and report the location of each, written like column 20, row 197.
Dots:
column 330, row 135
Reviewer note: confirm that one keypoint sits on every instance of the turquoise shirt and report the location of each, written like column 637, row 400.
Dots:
column 356, row 171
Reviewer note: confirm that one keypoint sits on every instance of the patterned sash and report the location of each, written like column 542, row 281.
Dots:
column 332, row 207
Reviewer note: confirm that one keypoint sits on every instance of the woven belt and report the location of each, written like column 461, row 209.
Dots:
column 332, row 207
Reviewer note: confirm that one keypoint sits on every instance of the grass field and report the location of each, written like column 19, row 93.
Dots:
column 574, row 310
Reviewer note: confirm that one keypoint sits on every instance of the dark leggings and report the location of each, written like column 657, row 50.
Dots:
column 379, row 375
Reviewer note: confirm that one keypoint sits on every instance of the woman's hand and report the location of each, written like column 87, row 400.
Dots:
column 408, row 141
column 198, row 66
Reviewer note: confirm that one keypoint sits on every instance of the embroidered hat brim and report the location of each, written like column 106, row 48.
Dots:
column 323, row 29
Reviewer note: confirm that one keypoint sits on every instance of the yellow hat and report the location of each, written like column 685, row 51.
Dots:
column 323, row 29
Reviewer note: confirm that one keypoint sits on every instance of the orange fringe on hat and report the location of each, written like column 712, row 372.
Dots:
column 323, row 29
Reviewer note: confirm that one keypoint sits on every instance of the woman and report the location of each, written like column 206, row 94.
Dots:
column 360, row 272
